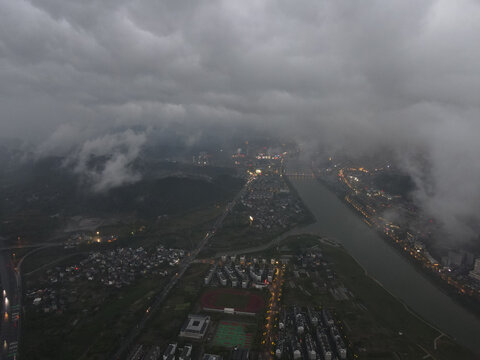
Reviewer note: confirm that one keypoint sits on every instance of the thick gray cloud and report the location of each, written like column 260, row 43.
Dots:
column 117, row 151
column 404, row 74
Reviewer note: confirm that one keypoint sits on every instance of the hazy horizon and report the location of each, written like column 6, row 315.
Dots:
column 112, row 77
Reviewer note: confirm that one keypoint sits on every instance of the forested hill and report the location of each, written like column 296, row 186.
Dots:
column 39, row 199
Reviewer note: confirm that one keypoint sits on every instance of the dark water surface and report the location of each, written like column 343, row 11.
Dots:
column 385, row 264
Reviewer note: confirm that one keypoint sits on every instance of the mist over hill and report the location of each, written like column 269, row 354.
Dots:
column 39, row 197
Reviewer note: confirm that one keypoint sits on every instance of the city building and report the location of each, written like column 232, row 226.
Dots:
column 186, row 352
column 475, row 273
column 210, row 274
column 170, row 352
column 195, row 327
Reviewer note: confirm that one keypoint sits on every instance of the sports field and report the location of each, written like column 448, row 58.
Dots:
column 240, row 300
column 234, row 300
column 232, row 333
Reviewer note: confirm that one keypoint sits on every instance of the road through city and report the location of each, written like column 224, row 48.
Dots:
column 128, row 342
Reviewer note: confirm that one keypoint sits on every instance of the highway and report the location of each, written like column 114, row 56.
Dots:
column 11, row 297
column 12, row 247
column 11, row 305
column 128, row 342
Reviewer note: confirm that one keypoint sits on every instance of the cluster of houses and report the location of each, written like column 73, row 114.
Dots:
column 241, row 272
column 305, row 333
column 112, row 268
column 271, row 205
column 122, row 266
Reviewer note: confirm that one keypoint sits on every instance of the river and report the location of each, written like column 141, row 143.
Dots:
column 382, row 262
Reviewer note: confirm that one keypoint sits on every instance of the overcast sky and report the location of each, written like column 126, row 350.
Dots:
column 358, row 73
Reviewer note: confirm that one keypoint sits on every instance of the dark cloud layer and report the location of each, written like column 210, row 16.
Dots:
column 403, row 74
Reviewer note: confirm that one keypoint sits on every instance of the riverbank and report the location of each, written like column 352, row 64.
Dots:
column 376, row 324
column 309, row 218
column 392, row 312
column 470, row 304
column 384, row 263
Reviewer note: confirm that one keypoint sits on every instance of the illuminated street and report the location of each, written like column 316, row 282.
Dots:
column 272, row 312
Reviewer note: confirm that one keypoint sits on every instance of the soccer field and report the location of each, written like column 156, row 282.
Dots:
column 231, row 333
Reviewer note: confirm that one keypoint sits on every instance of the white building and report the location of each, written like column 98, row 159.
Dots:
column 195, row 327
column 475, row 273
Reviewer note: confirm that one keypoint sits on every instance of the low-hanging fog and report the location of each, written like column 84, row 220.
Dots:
column 105, row 78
